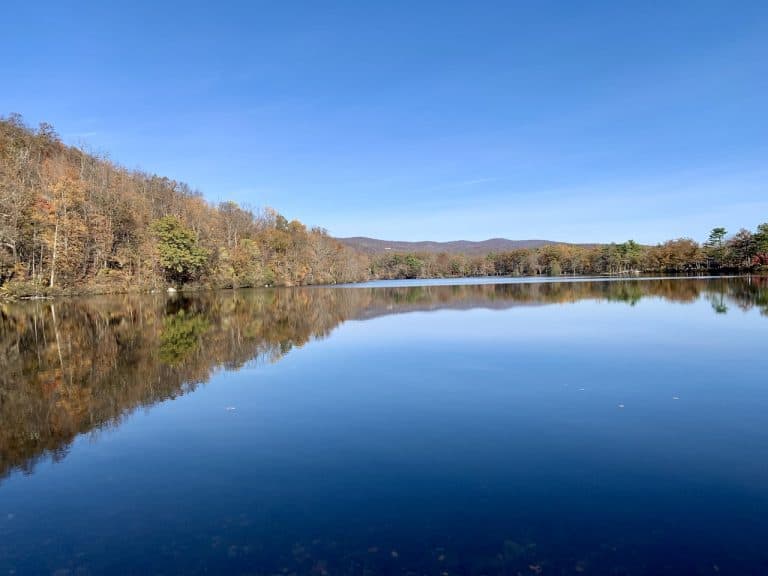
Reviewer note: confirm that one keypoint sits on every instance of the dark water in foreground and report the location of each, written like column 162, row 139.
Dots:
column 561, row 428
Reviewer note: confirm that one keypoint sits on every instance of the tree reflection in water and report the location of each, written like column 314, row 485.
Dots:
column 71, row 367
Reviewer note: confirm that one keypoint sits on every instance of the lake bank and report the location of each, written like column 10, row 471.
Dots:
column 20, row 292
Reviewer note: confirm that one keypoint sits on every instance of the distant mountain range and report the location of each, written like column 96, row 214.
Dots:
column 375, row 246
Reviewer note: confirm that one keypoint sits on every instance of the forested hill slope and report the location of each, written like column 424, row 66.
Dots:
column 493, row 245
column 70, row 221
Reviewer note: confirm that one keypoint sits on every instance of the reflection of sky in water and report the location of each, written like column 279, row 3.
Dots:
column 470, row 432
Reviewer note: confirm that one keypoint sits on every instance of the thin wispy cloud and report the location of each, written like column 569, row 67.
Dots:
column 75, row 136
column 454, row 185
column 686, row 204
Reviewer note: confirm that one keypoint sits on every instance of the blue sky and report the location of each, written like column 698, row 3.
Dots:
column 574, row 121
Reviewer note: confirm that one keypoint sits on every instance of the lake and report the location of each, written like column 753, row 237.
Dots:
column 569, row 427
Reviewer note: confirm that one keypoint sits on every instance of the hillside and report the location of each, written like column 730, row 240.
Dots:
column 71, row 222
column 470, row 248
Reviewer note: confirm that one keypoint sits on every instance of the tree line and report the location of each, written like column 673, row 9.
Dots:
column 745, row 251
column 71, row 221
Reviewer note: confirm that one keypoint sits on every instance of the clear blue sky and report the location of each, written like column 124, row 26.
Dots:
column 573, row 121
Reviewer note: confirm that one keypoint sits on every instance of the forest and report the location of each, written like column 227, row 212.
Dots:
column 742, row 252
column 73, row 222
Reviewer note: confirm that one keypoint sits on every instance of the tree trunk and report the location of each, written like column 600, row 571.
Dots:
column 53, row 257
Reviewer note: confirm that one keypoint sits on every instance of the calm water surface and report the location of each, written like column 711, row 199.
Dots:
column 524, row 428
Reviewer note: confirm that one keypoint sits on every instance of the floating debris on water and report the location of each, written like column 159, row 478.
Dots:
column 621, row 405
column 230, row 408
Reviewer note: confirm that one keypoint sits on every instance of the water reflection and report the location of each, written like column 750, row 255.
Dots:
column 70, row 367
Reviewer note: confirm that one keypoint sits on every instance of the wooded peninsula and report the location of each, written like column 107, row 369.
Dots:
column 72, row 222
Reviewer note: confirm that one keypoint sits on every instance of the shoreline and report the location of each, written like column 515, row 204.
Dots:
column 380, row 283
